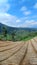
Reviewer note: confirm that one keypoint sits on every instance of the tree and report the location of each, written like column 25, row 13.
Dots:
column 13, row 36
column 4, row 29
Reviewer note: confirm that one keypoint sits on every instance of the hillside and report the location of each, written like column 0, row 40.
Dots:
column 16, row 28
column 19, row 33
column 18, row 53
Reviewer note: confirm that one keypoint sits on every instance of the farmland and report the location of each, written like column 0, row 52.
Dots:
column 19, row 52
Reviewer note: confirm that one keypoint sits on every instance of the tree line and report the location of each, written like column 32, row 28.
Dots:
column 5, row 32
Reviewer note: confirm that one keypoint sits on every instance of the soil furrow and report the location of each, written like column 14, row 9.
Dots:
column 15, row 51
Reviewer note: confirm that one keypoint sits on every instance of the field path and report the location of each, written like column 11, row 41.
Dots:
column 18, row 53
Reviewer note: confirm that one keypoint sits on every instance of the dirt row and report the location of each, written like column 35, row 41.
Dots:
column 18, row 53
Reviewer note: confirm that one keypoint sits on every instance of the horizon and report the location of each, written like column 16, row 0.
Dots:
column 18, row 27
column 22, row 13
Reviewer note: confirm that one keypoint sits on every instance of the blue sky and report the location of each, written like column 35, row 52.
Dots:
column 18, row 13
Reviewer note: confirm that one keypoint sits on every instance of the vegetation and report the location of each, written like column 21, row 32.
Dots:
column 13, row 35
column 17, row 35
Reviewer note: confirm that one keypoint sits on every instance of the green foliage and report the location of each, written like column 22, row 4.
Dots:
column 13, row 35
column 17, row 35
column 4, row 31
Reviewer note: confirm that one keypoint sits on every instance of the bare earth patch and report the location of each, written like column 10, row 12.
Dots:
column 18, row 53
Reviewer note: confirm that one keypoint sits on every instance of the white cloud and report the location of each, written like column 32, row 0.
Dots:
column 29, row 23
column 26, row 12
column 35, row 6
column 4, row 5
column 3, row 1
column 23, row 8
column 18, row 20
column 9, row 20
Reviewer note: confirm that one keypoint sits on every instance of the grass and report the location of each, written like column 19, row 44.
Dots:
column 9, row 38
column 28, row 38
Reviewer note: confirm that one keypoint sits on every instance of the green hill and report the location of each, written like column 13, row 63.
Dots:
column 16, row 34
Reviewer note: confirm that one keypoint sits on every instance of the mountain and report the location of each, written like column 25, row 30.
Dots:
column 10, row 29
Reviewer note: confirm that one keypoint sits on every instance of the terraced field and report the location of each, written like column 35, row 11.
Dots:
column 18, row 53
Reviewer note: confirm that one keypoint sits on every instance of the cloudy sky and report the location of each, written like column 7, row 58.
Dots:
column 18, row 13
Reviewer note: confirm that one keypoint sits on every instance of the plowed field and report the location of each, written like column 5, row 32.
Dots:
column 18, row 53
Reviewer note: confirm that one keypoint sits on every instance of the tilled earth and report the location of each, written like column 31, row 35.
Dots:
column 18, row 53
